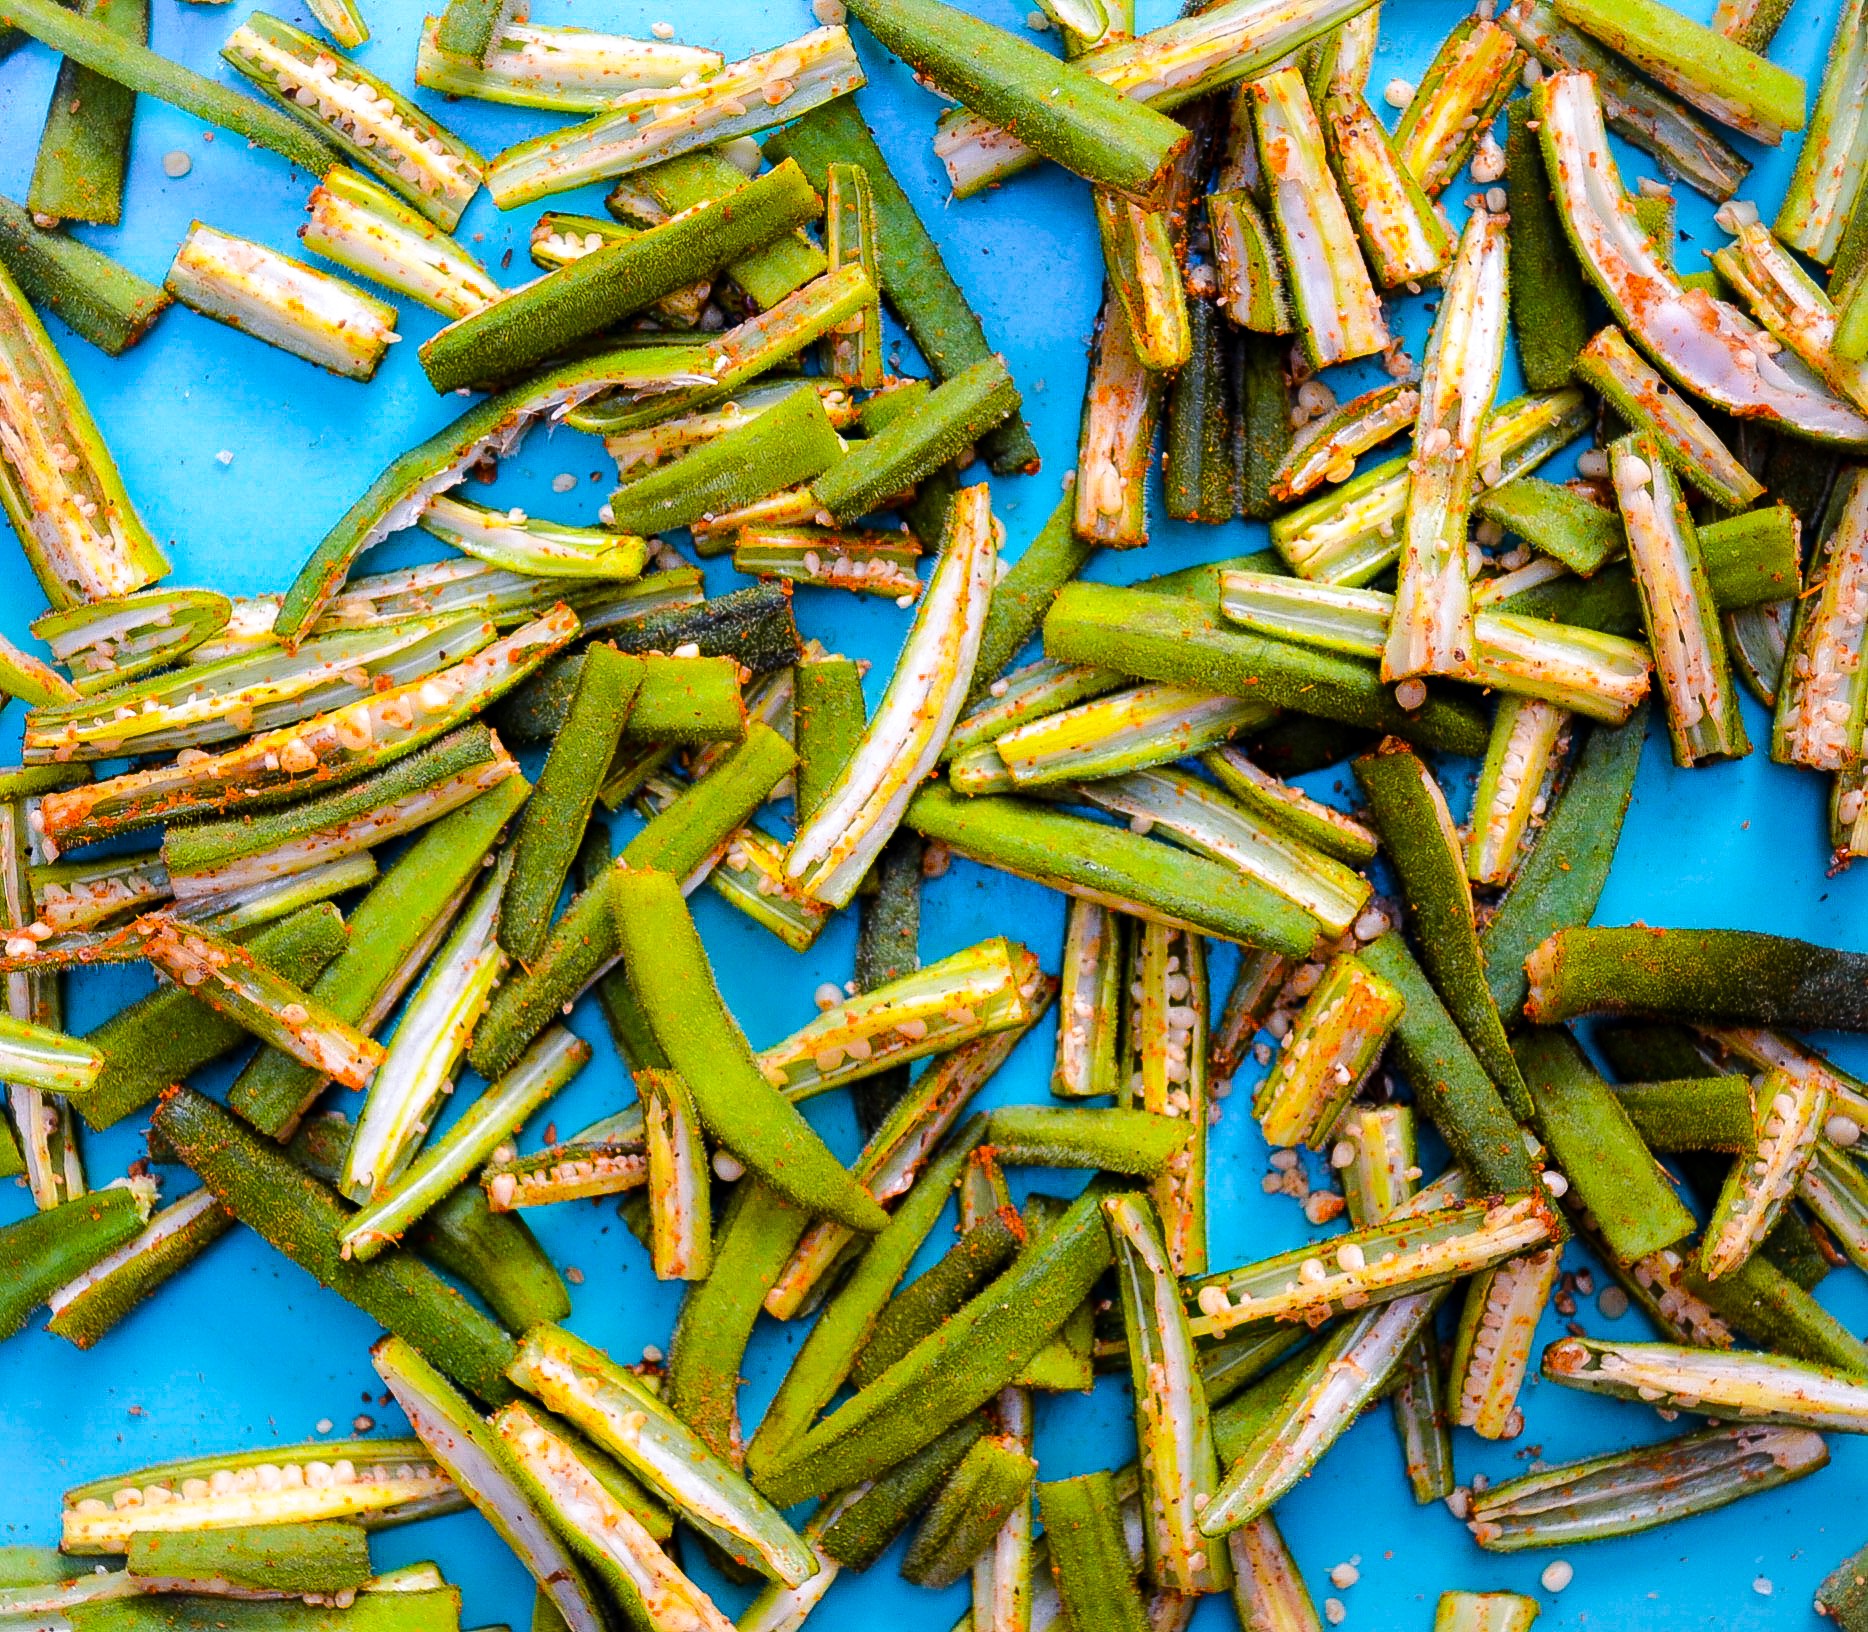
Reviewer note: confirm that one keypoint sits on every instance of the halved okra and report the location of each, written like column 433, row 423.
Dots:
column 1523, row 763
column 107, row 643
column 323, row 1557
column 91, row 1302
column 1457, row 100
column 562, row 69
column 1115, row 442
column 1327, row 1055
column 1753, row 1386
column 868, row 561
column 1402, row 234
column 533, row 544
column 1492, row 1347
column 350, row 109
column 1789, row 1116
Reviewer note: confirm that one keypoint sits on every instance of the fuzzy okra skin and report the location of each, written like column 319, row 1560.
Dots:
column 105, row 302
column 527, row 326
column 258, row 1183
column 669, row 973
column 46, row 1249
column 990, row 1483
column 956, row 1369
column 270, row 1560
column 87, row 1306
column 920, row 1308
column 84, row 151
column 1055, row 109
column 1089, row 1555
column 1549, row 301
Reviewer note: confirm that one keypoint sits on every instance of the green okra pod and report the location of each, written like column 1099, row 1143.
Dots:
column 682, row 700
column 87, row 41
column 1197, row 480
column 261, row 1187
column 1691, row 1113
column 45, row 1250
column 265, row 1560
column 924, row 1392
column 920, row 1308
column 862, row 1531
column 530, row 544
column 526, row 327
column 913, row 445
column 496, row 1255
column 1115, row 1140
column 1410, row 813
column 1549, row 309
column 1057, row 110
column 1327, row 1055
column 1627, row 1492
column 1843, row 1596
column 1089, row 1556
column 1450, row 1085
column 990, row 1482
column 552, row 824
column 828, row 714
column 1248, row 260
column 84, row 150
column 912, row 276
column 89, row 1304
column 787, row 444
column 104, row 301
column 1261, row 419
column 663, row 957
column 1166, row 638
column 430, row 1607
column 470, row 28
column 1557, row 520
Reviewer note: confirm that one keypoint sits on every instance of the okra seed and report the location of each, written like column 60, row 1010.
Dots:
column 1344, row 1575
column 1558, row 1574
column 1334, row 1612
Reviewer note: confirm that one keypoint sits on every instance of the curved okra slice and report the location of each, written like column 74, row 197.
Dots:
column 1627, row 1492
column 1835, row 1190
column 1327, row 1055
column 393, row 1207
column 632, row 1422
column 1339, row 315
column 366, row 229
column 529, row 544
column 1690, row 658
column 1492, row 1348
column 373, row 124
column 1430, row 629
column 432, row 1036
column 483, row 1470
column 227, row 978
column 1522, row 762
column 565, row 1488
column 1352, row 534
column 1485, row 1612
column 372, row 1482
column 1402, row 234
column 325, row 1557
column 1268, row 1591
column 1458, row 97
column 88, row 1305
column 1420, row 1247
column 1212, row 824
column 58, row 483
column 562, row 69
column 311, row 314
column 605, row 1159
column 1179, row 1468
column 1331, row 445
column 1790, row 1113
column 1749, row 1385
column 1142, row 265
column 833, row 849
column 346, row 742
column 108, row 643
column 1820, row 194
column 1707, row 346
column 1249, row 264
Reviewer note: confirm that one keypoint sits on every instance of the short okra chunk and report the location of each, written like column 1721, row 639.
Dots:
column 1327, row 1055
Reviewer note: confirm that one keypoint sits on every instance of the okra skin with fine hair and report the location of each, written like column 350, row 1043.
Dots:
column 958, row 1525
column 1449, row 1083
column 1089, row 1557
column 1692, row 1113
column 46, row 1249
column 105, row 302
column 920, row 1307
column 552, row 823
column 955, row 1370
column 669, row 973
column 827, row 723
column 529, row 325
column 1733, row 976
column 1549, row 301
column 914, row 278
column 322, row 1555
column 1112, row 1139
column 681, row 700
column 260, row 1186
column 861, row 1533
column 1057, row 110
column 84, row 150
column 1197, row 480
column 165, row 1037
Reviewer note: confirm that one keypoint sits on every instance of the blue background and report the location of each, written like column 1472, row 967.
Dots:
column 244, row 1350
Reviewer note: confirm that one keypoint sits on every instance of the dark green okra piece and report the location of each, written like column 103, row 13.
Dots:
column 1549, row 300
column 998, row 1333
column 322, row 1556
column 258, row 1183
column 915, row 280
column 1197, row 474
column 1023, row 596
column 583, row 941
column 682, row 699
column 861, row 1532
column 672, row 980
column 528, row 326
column 850, row 1316
column 915, row 444
column 1410, row 812
column 1843, row 1596
column 1599, row 1147
column 828, row 716
column 1556, row 520
column 1561, row 880
column 1735, row 976
column 468, row 28
column 1178, row 641
column 427, row 1609
column 84, row 151
column 1691, row 1113
column 919, row 1308
column 1089, row 1556
column 888, row 945
column 790, row 443
column 1113, row 1139
column 101, row 299
column 1450, row 1085
column 1767, row 1306
column 551, row 826
column 86, row 41
column 991, row 1481
column 764, row 275
column 1260, row 394
column 46, row 1249
column 87, row 1307
column 166, row 1037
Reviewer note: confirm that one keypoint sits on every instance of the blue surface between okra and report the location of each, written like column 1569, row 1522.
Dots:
column 241, row 457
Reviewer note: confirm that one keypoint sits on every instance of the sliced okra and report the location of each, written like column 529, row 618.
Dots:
column 1327, row 1055
column 1752, row 1386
